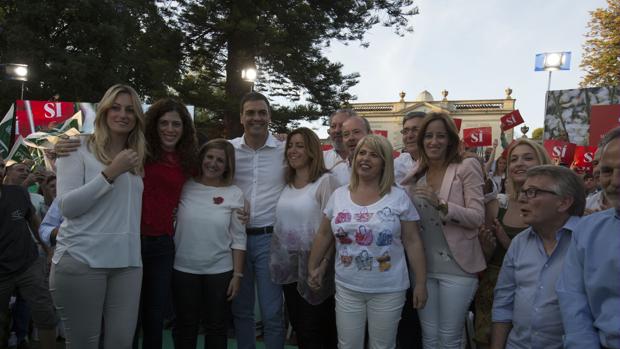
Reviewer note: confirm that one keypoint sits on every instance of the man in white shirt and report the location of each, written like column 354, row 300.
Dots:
column 339, row 152
column 259, row 159
column 353, row 130
column 405, row 164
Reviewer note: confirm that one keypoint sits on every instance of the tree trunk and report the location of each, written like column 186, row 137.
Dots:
column 240, row 56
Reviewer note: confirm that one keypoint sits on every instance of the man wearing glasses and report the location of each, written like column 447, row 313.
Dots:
column 405, row 164
column 526, row 313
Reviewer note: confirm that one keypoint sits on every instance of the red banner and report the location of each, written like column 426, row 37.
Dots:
column 33, row 116
column 380, row 132
column 458, row 123
column 602, row 119
column 511, row 120
column 560, row 150
column 477, row 137
column 584, row 155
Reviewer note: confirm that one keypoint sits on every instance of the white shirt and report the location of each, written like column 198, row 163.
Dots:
column 203, row 242
column 338, row 166
column 594, row 202
column 404, row 165
column 299, row 214
column 102, row 221
column 369, row 251
column 260, row 175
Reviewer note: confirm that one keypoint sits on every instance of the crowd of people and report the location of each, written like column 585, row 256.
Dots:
column 358, row 247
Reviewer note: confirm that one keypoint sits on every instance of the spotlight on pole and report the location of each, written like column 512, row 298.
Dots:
column 16, row 72
column 249, row 74
column 551, row 61
column 12, row 71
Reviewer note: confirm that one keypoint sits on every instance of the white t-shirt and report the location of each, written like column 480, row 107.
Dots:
column 404, row 165
column 298, row 216
column 208, row 228
column 594, row 202
column 338, row 166
column 369, row 251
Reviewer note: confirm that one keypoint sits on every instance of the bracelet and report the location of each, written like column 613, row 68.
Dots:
column 107, row 178
column 238, row 274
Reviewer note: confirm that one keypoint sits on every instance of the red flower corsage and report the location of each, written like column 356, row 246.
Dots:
column 218, row 200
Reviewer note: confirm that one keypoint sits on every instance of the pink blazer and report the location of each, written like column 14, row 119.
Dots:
column 461, row 188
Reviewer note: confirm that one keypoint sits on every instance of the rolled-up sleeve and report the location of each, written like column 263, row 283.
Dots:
column 504, row 294
column 237, row 229
column 576, row 315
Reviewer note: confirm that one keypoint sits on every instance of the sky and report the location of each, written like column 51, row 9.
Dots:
column 475, row 49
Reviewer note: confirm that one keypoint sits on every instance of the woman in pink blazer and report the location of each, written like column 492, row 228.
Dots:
column 447, row 190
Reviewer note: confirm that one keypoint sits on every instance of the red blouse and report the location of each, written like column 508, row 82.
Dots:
column 163, row 183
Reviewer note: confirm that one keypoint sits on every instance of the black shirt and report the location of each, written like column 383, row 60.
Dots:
column 17, row 248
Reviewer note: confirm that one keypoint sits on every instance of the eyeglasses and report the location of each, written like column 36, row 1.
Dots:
column 531, row 193
column 406, row 130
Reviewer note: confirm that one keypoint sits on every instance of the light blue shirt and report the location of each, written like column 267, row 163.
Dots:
column 525, row 291
column 51, row 221
column 589, row 287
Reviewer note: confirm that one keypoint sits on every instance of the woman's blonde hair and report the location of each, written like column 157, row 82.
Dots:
column 100, row 140
column 541, row 155
column 381, row 146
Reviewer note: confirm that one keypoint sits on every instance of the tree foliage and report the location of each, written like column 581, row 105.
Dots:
column 537, row 134
column 79, row 48
column 284, row 39
column 601, row 57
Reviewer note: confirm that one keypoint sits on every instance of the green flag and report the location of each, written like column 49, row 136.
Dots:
column 5, row 131
column 20, row 151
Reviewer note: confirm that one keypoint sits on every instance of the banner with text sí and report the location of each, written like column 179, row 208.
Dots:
column 602, row 119
column 457, row 123
column 562, row 150
column 33, row 116
column 584, row 154
column 477, row 137
column 511, row 120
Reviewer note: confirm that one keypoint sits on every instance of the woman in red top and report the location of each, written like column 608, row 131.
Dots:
column 171, row 160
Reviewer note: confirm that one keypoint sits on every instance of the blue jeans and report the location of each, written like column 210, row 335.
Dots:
column 157, row 262
column 269, row 298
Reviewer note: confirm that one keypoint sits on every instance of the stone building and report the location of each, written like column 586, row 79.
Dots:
column 386, row 117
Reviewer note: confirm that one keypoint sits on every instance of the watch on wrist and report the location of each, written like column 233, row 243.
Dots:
column 443, row 207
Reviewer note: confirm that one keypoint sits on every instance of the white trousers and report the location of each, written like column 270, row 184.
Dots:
column 443, row 317
column 382, row 310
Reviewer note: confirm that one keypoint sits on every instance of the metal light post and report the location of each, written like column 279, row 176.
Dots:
column 16, row 72
column 552, row 61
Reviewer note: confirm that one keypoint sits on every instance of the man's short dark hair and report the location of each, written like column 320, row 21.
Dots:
column 412, row 115
column 254, row 96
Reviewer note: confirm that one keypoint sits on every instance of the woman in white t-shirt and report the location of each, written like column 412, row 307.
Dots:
column 299, row 212
column 210, row 246
column 371, row 222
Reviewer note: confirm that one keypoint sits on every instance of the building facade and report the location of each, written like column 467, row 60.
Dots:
column 386, row 117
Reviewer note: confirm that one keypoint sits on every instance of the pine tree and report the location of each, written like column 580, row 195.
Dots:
column 601, row 56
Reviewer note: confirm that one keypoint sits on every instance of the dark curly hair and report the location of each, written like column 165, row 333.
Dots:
column 186, row 148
